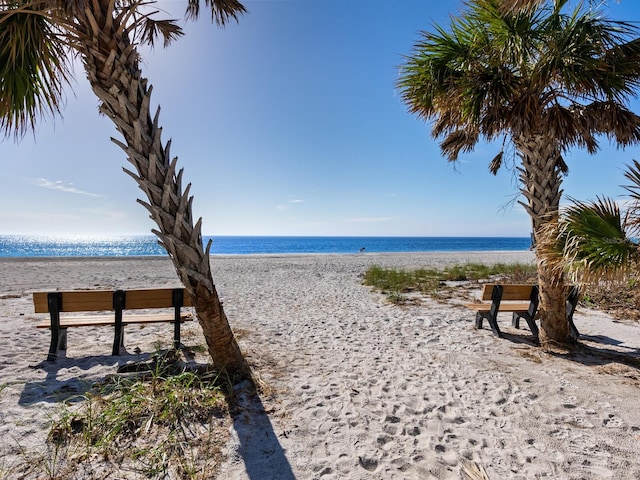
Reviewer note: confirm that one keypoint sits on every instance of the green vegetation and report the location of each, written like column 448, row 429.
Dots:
column 621, row 299
column 394, row 283
column 158, row 423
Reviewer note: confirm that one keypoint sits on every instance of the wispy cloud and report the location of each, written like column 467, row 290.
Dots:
column 59, row 185
column 369, row 220
column 292, row 201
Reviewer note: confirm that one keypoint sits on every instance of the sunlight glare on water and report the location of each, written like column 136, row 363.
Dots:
column 147, row 245
column 74, row 246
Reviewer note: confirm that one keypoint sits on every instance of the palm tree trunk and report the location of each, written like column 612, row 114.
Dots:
column 111, row 65
column 540, row 174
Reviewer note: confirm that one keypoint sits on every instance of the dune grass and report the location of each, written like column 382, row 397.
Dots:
column 161, row 423
column 395, row 282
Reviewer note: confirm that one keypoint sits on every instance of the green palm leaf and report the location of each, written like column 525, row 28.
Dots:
column 33, row 68
column 595, row 241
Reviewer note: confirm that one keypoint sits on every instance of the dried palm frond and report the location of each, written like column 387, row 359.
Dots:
column 470, row 470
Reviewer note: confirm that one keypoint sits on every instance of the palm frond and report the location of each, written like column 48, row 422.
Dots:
column 633, row 175
column 633, row 189
column 458, row 141
column 167, row 29
column 222, row 11
column 562, row 165
column 496, row 163
column 34, row 68
column 612, row 119
column 595, row 241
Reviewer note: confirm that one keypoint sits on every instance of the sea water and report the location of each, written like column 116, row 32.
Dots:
column 143, row 245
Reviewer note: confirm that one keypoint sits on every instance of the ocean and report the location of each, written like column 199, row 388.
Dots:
column 143, row 245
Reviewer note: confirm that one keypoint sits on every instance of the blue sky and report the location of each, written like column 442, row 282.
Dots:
column 287, row 123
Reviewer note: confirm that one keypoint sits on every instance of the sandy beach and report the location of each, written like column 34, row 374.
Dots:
column 358, row 388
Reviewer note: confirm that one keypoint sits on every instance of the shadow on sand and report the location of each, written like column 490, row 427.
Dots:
column 53, row 390
column 258, row 445
column 591, row 350
column 597, row 350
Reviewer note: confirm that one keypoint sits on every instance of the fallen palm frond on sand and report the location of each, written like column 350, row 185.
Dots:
column 472, row 471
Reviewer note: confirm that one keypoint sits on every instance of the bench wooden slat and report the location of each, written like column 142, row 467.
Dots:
column 509, row 292
column 102, row 300
column 504, row 307
column 513, row 292
column 77, row 301
column 153, row 299
column 108, row 320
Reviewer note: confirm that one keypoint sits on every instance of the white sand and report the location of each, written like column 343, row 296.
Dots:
column 362, row 389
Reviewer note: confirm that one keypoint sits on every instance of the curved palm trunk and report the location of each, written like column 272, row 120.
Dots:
column 111, row 64
column 540, row 174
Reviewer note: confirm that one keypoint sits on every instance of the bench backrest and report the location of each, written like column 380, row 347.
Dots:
column 509, row 292
column 523, row 292
column 99, row 300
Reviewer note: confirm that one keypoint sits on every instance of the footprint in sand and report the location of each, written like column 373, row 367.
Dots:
column 612, row 421
column 368, row 463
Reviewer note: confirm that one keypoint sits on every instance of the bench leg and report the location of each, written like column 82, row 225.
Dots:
column 572, row 302
column 118, row 340
column 53, row 347
column 532, row 326
column 118, row 330
column 515, row 321
column 176, row 334
column 54, row 302
column 58, row 342
column 62, row 340
column 492, row 322
column 573, row 329
column 177, row 299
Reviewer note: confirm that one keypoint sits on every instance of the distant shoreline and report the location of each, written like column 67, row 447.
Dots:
column 213, row 256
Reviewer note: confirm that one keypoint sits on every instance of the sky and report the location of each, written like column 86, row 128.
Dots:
column 286, row 123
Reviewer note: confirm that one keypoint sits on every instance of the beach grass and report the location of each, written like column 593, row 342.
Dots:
column 395, row 283
column 123, row 419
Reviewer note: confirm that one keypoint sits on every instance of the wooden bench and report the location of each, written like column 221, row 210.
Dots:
column 522, row 301
column 117, row 302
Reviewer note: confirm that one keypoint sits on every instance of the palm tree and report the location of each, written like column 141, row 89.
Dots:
column 38, row 40
column 540, row 81
column 597, row 239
